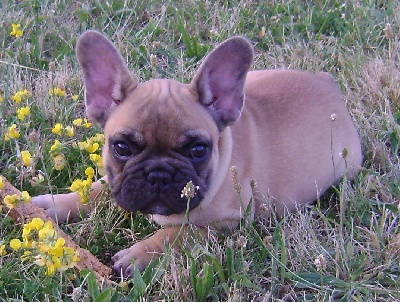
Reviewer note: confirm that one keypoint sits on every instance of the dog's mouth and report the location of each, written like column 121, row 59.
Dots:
column 158, row 190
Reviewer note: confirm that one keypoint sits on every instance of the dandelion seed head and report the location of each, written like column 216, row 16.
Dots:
column 241, row 242
column 388, row 31
column 320, row 263
column 189, row 190
column 235, row 179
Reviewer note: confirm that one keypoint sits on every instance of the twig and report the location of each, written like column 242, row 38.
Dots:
column 27, row 211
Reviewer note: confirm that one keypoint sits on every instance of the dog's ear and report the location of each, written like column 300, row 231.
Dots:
column 220, row 80
column 106, row 76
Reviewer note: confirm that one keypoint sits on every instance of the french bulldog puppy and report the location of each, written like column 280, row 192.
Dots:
column 289, row 130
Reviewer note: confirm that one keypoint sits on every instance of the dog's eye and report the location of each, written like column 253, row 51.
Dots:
column 122, row 149
column 199, row 151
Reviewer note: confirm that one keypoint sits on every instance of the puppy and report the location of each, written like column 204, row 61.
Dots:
column 289, row 130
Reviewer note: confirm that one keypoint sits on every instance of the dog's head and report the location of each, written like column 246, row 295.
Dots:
column 161, row 134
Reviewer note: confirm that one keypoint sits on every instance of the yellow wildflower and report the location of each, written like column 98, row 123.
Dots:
column 36, row 224
column 20, row 95
column 12, row 201
column 16, row 98
column 76, row 184
column 55, row 148
column 69, row 258
column 26, row 158
column 50, row 268
column 82, row 123
column 42, row 245
column 1, row 98
column 3, row 251
column 60, row 242
column 23, row 112
column 89, row 171
column 47, row 233
column 100, row 138
column 77, row 122
column 12, row 133
column 1, row 183
column 57, row 249
column 57, row 92
column 93, row 143
column 82, row 188
column 86, row 124
column 26, row 232
column 15, row 244
column 46, row 239
column 57, row 129
column 25, row 197
column 98, row 161
column 16, row 30
column 75, row 97
column 89, row 147
column 69, row 131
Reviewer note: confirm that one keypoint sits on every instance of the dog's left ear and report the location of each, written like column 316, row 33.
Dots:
column 221, row 78
column 106, row 76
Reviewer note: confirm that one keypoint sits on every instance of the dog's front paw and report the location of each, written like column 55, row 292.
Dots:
column 140, row 253
column 60, row 207
column 143, row 252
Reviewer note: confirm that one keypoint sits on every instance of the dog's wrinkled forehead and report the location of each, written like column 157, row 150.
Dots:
column 163, row 112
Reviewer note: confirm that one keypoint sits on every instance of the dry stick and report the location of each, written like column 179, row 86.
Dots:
column 27, row 211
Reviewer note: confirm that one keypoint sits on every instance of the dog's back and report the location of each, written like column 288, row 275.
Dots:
column 302, row 136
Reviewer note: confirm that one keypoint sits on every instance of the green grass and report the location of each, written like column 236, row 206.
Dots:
column 355, row 227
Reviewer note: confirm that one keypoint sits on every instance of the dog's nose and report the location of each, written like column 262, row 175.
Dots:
column 159, row 178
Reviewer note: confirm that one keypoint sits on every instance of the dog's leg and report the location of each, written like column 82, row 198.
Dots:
column 67, row 207
column 144, row 251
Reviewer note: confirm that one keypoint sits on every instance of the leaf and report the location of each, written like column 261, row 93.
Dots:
column 193, row 272
column 153, row 272
column 244, row 281
column 204, row 283
column 394, row 141
column 217, row 267
column 396, row 116
column 138, row 285
column 357, row 273
column 307, row 279
column 185, row 38
column 283, row 258
column 138, row 282
column 92, row 284
column 105, row 296
column 208, row 279
column 230, row 261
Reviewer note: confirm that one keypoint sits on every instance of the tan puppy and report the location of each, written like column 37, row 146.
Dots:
column 288, row 130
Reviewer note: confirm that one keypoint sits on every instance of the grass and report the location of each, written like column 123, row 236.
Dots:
column 345, row 248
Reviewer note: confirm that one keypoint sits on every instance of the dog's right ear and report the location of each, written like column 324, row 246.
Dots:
column 106, row 76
